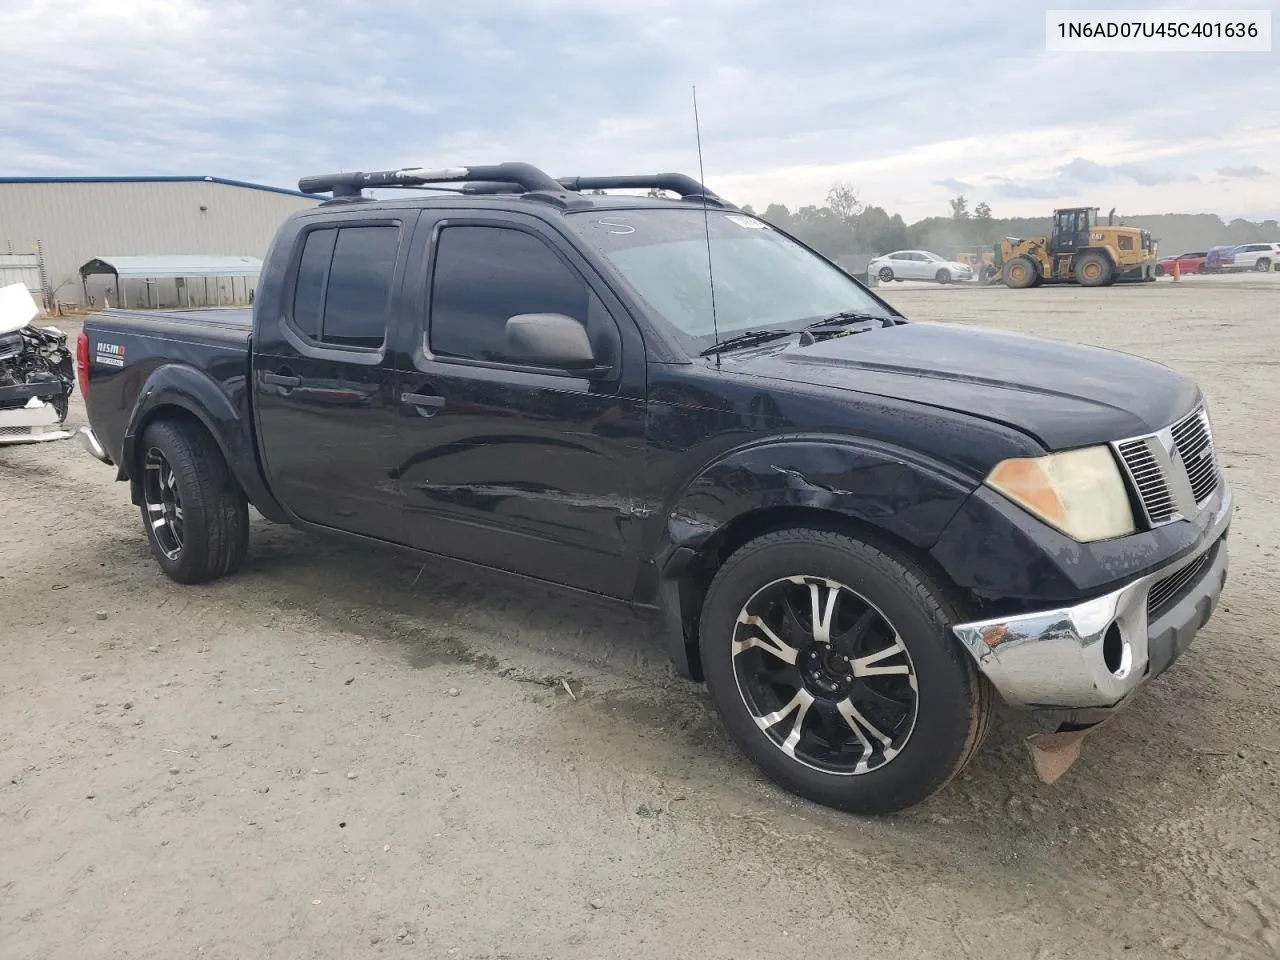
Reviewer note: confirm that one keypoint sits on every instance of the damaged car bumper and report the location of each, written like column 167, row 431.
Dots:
column 27, row 416
column 1079, row 663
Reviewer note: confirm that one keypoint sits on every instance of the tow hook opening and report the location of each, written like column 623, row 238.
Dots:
column 1117, row 654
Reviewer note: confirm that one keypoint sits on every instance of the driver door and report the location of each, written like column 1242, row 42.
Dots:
column 1064, row 237
column 504, row 465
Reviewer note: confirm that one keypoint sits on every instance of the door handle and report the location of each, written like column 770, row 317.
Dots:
column 281, row 379
column 422, row 399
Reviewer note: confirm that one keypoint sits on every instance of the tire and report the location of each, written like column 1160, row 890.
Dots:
column 1263, row 265
column 1094, row 270
column 888, row 760
column 1160, row 271
column 195, row 515
column 943, row 275
column 1020, row 273
column 885, row 274
column 1203, row 269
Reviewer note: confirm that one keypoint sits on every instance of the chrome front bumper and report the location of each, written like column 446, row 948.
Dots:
column 1091, row 657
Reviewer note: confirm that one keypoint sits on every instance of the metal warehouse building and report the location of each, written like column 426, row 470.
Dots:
column 77, row 219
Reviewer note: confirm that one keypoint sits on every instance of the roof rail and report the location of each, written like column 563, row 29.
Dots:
column 522, row 175
column 686, row 186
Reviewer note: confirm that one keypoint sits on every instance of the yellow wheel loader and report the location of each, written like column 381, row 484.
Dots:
column 1077, row 250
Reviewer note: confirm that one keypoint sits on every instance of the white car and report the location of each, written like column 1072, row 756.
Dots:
column 918, row 265
column 1257, row 256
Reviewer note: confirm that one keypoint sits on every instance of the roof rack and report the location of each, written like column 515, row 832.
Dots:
column 505, row 178
column 686, row 186
column 522, row 175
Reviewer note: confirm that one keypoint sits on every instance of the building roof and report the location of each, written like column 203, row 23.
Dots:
column 151, row 267
column 221, row 180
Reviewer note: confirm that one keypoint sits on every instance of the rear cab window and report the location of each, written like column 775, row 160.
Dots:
column 342, row 294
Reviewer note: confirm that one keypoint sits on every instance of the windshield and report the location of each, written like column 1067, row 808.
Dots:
column 762, row 279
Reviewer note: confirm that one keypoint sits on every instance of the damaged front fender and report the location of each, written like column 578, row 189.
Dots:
column 908, row 497
column 902, row 493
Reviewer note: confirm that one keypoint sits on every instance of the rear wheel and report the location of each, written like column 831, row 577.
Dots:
column 1203, row 268
column 1263, row 265
column 943, row 275
column 1094, row 270
column 1020, row 273
column 195, row 514
column 833, row 668
column 886, row 274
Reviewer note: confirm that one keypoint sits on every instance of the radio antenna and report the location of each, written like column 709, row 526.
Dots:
column 706, row 223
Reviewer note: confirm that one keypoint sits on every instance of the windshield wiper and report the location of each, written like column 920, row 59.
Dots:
column 747, row 339
column 846, row 317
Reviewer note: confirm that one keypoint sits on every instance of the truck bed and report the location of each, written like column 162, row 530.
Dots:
column 127, row 346
column 229, row 325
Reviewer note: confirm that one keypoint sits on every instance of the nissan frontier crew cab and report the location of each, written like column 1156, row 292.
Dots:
column 858, row 529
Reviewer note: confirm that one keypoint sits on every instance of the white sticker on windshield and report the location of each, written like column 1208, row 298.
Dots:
column 746, row 222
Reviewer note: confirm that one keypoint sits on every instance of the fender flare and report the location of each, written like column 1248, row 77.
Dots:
column 178, row 386
column 903, row 496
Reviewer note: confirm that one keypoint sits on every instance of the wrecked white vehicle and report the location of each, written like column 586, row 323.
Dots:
column 36, row 372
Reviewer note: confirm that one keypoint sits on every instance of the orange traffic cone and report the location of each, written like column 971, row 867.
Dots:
column 1177, row 272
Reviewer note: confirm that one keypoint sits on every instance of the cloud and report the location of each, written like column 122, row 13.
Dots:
column 1085, row 171
column 1149, row 176
column 1027, row 191
column 270, row 91
column 1250, row 172
column 1082, row 170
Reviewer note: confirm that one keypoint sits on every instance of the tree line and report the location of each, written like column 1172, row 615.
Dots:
column 846, row 226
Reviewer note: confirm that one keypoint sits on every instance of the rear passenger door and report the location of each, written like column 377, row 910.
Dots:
column 528, row 470
column 324, row 384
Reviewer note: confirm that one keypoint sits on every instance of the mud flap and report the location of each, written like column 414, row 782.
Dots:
column 1053, row 754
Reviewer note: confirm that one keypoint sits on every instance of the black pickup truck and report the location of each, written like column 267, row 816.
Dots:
column 859, row 529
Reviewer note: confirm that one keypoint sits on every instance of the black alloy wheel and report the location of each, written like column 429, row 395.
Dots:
column 825, row 675
column 163, row 503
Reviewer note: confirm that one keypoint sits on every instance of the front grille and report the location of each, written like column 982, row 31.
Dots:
column 1195, row 449
column 1147, row 476
column 1164, row 592
column 1173, row 471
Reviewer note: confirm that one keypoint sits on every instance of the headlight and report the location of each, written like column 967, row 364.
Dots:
column 1081, row 492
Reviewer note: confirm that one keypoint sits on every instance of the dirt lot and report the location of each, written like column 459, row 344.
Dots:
column 338, row 753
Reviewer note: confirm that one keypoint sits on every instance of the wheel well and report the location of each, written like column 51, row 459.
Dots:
column 177, row 414
column 696, row 578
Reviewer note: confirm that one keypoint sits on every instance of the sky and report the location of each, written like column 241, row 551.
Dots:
column 911, row 103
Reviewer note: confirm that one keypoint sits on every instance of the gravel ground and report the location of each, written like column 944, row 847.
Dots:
column 338, row 753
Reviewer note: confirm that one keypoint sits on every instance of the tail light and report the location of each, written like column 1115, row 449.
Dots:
column 82, row 363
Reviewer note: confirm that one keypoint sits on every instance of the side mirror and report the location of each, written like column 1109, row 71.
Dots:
column 548, row 340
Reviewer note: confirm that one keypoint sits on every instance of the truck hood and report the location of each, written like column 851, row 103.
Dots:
column 1063, row 395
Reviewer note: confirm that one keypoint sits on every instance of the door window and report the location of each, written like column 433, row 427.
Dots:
column 342, row 296
column 485, row 275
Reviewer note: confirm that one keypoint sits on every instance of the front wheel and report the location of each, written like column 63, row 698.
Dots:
column 1020, row 273
column 195, row 514
column 833, row 667
column 943, row 275
column 1094, row 270
column 886, row 274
